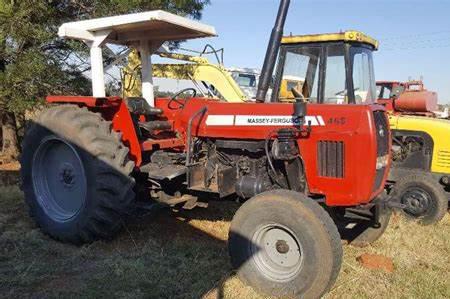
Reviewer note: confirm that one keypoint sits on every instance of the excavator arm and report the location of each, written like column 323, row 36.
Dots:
column 198, row 69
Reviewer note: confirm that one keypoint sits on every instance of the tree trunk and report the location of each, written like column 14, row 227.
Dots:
column 1, row 133
column 10, row 148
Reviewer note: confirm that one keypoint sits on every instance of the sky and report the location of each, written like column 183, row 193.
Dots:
column 414, row 35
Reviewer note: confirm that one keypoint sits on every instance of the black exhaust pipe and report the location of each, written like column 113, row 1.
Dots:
column 272, row 52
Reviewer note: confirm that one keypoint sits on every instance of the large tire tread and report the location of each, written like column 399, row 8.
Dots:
column 113, row 192
column 325, row 278
column 436, row 190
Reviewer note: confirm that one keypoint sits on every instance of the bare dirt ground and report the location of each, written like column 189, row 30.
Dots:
column 184, row 255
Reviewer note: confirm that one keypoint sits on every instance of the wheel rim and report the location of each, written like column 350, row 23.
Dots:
column 417, row 202
column 59, row 179
column 277, row 252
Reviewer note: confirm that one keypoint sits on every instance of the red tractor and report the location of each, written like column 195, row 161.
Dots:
column 303, row 170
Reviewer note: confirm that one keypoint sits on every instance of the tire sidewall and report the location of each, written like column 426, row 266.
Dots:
column 308, row 230
column 426, row 183
column 70, row 227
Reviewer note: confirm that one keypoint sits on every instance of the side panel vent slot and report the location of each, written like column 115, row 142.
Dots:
column 443, row 159
column 330, row 162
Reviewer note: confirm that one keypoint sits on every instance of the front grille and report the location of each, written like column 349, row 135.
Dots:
column 443, row 159
column 330, row 159
column 382, row 132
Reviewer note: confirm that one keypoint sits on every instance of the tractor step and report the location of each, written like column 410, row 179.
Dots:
column 190, row 202
column 162, row 172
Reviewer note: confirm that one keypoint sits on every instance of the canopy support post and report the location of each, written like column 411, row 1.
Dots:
column 98, row 80
column 97, row 75
column 146, row 49
column 146, row 73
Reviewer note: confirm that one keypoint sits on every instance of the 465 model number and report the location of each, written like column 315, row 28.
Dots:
column 337, row 121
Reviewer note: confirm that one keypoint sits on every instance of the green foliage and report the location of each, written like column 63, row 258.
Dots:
column 34, row 62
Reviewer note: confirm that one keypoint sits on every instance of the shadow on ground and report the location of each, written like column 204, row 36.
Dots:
column 167, row 254
column 9, row 174
column 184, row 255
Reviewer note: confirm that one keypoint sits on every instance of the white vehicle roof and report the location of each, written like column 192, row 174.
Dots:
column 131, row 28
column 293, row 78
column 245, row 70
column 145, row 31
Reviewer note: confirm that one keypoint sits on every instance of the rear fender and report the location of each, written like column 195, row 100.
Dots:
column 112, row 109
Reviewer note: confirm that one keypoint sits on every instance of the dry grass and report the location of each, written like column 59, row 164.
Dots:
column 183, row 255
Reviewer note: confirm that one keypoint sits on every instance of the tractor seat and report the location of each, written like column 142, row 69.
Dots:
column 152, row 126
column 137, row 105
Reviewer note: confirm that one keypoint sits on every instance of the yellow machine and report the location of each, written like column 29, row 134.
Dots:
column 287, row 84
column 214, row 77
column 420, row 169
column 435, row 131
column 349, row 36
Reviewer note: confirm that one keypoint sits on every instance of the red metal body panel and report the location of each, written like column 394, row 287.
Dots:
column 86, row 101
column 154, row 144
column 388, row 103
column 421, row 101
column 348, row 123
column 415, row 99
column 352, row 124
column 112, row 109
column 123, row 123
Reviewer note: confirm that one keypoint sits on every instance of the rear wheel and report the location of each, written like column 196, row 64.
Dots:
column 76, row 175
column 284, row 244
column 423, row 196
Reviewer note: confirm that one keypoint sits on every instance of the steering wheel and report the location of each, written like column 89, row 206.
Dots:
column 298, row 95
column 181, row 103
column 344, row 92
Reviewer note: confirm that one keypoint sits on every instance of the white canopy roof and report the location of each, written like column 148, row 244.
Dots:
column 146, row 31
column 129, row 29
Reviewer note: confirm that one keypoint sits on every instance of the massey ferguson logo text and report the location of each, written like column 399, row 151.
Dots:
column 274, row 121
column 262, row 120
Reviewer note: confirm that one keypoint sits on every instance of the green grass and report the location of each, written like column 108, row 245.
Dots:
column 184, row 255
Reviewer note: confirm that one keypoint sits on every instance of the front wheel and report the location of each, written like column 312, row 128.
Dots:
column 424, row 198
column 284, row 244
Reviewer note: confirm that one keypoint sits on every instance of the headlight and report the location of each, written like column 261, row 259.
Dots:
column 382, row 162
